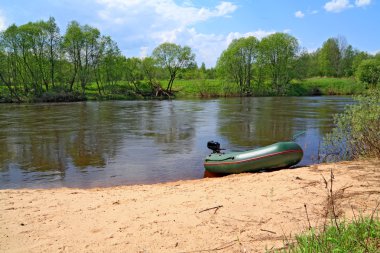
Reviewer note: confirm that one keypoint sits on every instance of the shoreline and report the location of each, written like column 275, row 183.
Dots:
column 251, row 211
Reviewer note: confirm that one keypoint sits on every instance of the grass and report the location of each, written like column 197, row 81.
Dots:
column 308, row 87
column 362, row 234
column 326, row 86
column 204, row 88
column 210, row 88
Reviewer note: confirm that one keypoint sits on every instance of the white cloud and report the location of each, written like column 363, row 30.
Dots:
column 375, row 52
column 259, row 34
column 361, row 3
column 143, row 52
column 148, row 23
column 337, row 5
column 299, row 14
column 2, row 21
column 207, row 47
column 121, row 11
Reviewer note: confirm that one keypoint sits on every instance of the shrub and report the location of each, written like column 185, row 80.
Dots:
column 369, row 72
column 357, row 130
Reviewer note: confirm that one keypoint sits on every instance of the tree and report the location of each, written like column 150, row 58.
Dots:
column 109, row 67
column 329, row 58
column 358, row 58
column 237, row 61
column 369, row 72
column 133, row 72
column 278, row 52
column 302, row 65
column 173, row 58
column 348, row 56
column 85, row 49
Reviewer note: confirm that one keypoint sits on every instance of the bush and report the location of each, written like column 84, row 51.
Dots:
column 357, row 130
column 369, row 72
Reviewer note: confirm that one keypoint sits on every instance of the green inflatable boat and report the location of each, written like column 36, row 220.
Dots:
column 275, row 156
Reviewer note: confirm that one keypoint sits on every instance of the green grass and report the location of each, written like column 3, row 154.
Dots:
column 326, row 86
column 205, row 88
column 209, row 88
column 361, row 235
column 307, row 87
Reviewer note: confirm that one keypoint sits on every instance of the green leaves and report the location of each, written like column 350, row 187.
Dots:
column 369, row 72
column 278, row 52
column 357, row 131
column 174, row 58
column 237, row 61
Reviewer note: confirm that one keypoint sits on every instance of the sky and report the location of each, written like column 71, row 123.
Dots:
column 138, row 26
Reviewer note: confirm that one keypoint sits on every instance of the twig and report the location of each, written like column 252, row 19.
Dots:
column 353, row 212
column 307, row 216
column 272, row 232
column 207, row 209
column 373, row 213
column 332, row 199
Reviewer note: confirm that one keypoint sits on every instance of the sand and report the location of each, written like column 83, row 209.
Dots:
column 236, row 213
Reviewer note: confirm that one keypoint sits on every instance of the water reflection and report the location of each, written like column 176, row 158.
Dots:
column 113, row 143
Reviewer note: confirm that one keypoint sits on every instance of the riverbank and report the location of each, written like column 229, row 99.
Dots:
column 193, row 88
column 229, row 214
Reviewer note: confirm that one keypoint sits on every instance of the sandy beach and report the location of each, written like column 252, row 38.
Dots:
column 236, row 213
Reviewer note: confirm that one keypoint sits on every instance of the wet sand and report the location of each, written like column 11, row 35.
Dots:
column 236, row 213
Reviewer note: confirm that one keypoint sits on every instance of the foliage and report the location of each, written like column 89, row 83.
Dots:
column 329, row 57
column 173, row 58
column 36, row 61
column 369, row 72
column 357, row 130
column 237, row 61
column 317, row 86
column 362, row 235
column 278, row 53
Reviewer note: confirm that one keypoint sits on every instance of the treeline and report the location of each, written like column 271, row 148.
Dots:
column 272, row 63
column 38, row 63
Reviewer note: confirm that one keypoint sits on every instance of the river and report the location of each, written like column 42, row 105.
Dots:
column 100, row 144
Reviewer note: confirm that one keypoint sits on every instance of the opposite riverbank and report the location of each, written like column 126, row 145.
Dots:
column 192, row 88
column 254, row 212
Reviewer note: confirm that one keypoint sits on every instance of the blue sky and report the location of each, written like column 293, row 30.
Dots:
column 138, row 26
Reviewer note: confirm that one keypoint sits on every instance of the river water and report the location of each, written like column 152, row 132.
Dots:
column 97, row 144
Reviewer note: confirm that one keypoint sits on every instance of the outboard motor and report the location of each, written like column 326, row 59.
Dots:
column 214, row 146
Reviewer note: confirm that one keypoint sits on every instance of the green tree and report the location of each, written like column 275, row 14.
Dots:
column 30, row 52
column 237, row 61
column 85, row 49
column 173, row 58
column 133, row 72
column 278, row 52
column 369, row 72
column 109, row 67
column 329, row 57
column 358, row 58
column 302, row 65
column 348, row 56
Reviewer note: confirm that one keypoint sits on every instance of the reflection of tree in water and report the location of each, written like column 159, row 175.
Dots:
column 51, row 137
column 170, row 124
column 90, row 144
column 48, row 137
column 251, row 122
